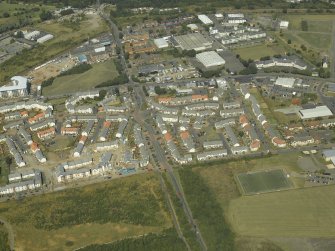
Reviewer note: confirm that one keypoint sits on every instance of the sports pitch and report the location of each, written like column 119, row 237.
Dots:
column 263, row 181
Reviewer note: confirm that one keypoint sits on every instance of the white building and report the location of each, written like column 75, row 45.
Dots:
column 205, row 19
column 210, row 59
column 317, row 112
column 17, row 88
column 161, row 43
column 284, row 24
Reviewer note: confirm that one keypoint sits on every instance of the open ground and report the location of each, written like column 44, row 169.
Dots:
column 65, row 39
column 100, row 73
column 95, row 214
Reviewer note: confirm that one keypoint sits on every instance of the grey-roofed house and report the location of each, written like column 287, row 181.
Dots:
column 231, row 136
column 212, row 144
column 222, row 123
column 121, row 128
column 239, row 149
column 231, row 112
column 215, row 154
column 88, row 128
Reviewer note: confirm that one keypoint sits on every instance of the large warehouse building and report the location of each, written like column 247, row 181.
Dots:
column 17, row 88
column 205, row 19
column 193, row 41
column 317, row 112
column 285, row 82
column 210, row 59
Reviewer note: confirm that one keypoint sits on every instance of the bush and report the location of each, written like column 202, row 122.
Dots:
column 168, row 240
column 78, row 69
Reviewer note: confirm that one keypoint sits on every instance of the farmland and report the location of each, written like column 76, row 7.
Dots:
column 299, row 213
column 88, row 215
column 100, row 73
column 65, row 39
column 263, row 181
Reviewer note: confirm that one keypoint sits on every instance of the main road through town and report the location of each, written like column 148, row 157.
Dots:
column 140, row 118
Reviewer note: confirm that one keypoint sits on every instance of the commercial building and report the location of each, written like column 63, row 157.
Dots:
column 317, row 112
column 193, row 41
column 205, row 19
column 210, row 59
column 17, row 88
column 285, row 82
column 161, row 43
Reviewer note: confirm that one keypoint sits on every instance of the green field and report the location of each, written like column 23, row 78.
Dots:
column 317, row 40
column 65, row 38
column 263, row 181
column 100, row 72
column 95, row 214
column 258, row 51
column 220, row 178
column 298, row 213
column 316, row 23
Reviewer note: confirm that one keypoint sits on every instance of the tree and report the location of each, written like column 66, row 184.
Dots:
column 45, row 15
column 6, row 14
column 289, row 41
column 102, row 94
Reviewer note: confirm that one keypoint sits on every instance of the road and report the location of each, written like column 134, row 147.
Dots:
column 139, row 116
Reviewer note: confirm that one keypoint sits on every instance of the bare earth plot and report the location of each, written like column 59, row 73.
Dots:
column 263, row 181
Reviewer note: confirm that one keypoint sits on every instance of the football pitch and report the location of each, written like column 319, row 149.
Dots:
column 263, row 181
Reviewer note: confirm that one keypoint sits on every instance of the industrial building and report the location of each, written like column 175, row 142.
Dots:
column 285, row 82
column 317, row 112
column 210, row 59
column 194, row 41
column 161, row 43
column 205, row 19
column 17, row 88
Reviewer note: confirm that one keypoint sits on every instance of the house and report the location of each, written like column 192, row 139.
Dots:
column 86, row 131
column 187, row 141
column 222, row 123
column 47, row 133
column 231, row 105
column 231, row 136
column 239, row 149
column 215, row 154
column 26, row 136
column 70, row 131
column 302, row 141
column 231, row 112
column 328, row 154
column 104, row 146
column 121, row 128
column 170, row 118
column 103, row 135
column 43, row 124
column 212, row 144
